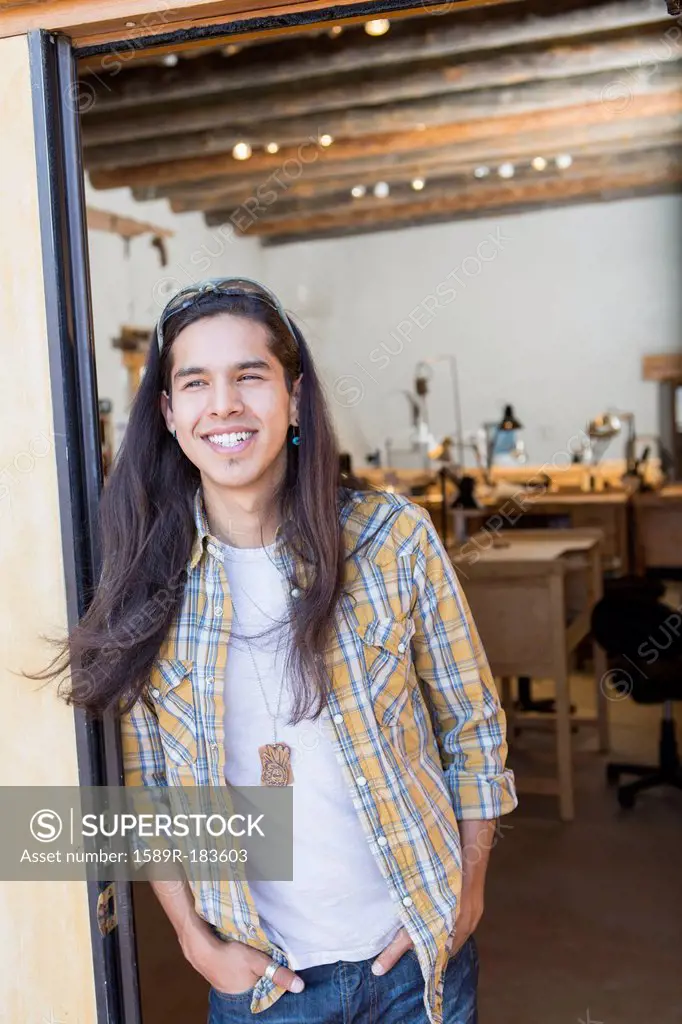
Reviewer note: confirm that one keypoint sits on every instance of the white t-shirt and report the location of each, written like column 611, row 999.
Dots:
column 338, row 906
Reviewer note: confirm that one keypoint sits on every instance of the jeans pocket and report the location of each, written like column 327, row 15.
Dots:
column 474, row 954
column 464, row 964
column 229, row 1008
column 461, row 985
column 232, row 996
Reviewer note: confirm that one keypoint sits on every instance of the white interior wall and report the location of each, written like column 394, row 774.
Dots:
column 550, row 310
column 129, row 285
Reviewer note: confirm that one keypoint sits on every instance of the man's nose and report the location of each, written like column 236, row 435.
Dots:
column 226, row 399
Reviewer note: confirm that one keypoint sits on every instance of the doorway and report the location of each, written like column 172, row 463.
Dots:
column 97, row 122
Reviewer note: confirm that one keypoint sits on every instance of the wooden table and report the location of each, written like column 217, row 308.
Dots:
column 607, row 511
column 532, row 601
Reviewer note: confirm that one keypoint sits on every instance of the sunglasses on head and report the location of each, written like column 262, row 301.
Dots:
column 222, row 286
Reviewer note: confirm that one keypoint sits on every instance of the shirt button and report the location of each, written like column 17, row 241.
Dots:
column 252, row 930
column 401, row 648
column 219, row 609
column 361, row 781
column 210, row 679
column 382, row 841
column 212, row 550
column 407, row 902
column 295, row 592
column 338, row 719
column 155, row 694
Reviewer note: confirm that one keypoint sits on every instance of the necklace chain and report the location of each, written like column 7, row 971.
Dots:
column 258, row 675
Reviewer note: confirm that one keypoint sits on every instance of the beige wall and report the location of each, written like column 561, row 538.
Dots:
column 45, row 953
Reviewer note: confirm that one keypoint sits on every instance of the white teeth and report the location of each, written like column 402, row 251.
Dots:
column 230, row 440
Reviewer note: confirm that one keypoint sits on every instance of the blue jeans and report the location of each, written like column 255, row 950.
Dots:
column 348, row 993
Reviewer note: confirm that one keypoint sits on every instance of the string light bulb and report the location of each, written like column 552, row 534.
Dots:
column 564, row 161
column 272, row 147
column 381, row 189
column 377, row 27
column 506, row 170
column 418, row 184
column 481, row 172
column 326, row 140
column 241, row 151
column 358, row 191
column 538, row 163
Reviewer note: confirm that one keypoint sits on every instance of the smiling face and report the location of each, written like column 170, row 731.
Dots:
column 229, row 403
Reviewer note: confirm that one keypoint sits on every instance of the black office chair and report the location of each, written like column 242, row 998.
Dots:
column 626, row 587
column 643, row 639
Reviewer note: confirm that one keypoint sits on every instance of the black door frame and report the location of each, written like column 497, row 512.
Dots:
column 77, row 452
column 66, row 270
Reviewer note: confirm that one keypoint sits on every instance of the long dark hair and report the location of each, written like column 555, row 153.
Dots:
column 147, row 528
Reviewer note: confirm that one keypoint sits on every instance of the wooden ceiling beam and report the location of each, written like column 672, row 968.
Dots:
column 408, row 84
column 490, row 129
column 366, row 121
column 459, row 33
column 658, row 163
column 348, row 231
column 618, row 134
column 400, row 178
column 498, row 198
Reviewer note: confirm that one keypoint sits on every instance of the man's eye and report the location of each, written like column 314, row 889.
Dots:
column 192, row 384
column 250, row 376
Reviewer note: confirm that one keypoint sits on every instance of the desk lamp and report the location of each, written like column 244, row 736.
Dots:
column 607, row 426
column 601, row 430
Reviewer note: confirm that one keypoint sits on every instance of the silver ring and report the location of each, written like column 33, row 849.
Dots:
column 269, row 971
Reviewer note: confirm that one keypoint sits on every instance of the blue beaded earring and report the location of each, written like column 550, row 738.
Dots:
column 296, row 439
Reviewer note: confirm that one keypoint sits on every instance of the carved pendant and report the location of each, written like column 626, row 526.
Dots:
column 275, row 759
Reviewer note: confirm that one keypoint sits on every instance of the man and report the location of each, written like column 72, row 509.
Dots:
column 318, row 639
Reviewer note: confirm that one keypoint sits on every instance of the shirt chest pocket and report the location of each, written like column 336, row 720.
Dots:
column 171, row 689
column 387, row 664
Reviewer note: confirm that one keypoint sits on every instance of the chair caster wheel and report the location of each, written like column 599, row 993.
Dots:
column 626, row 799
column 612, row 774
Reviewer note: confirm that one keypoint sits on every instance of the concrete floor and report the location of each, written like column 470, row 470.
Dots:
column 586, row 918
column 583, row 921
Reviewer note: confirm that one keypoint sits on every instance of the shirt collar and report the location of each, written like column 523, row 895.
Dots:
column 203, row 531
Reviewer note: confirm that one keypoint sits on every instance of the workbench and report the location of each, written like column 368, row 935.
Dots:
column 607, row 511
column 658, row 528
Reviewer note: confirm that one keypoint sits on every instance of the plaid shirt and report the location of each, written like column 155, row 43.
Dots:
column 413, row 715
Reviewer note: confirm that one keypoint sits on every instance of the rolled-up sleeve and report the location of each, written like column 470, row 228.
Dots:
column 468, row 720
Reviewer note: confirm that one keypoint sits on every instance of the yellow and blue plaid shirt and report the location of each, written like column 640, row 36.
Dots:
column 413, row 715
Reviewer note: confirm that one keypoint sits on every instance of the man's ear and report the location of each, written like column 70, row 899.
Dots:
column 167, row 411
